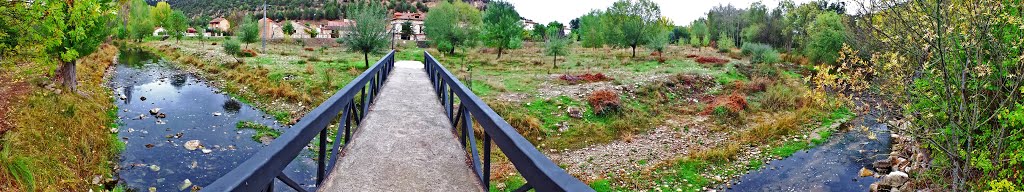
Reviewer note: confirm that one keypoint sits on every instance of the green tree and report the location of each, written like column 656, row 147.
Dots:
column 288, row 29
column 724, row 43
column 310, row 31
column 161, row 14
column 632, row 23
column 827, row 36
column 73, row 30
column 659, row 41
column 406, row 31
column 140, row 25
column 555, row 28
column 502, row 29
column 201, row 33
column 249, row 32
column 796, row 22
column 177, row 25
column 368, row 34
column 540, row 32
column 556, row 45
column 590, row 30
column 453, row 25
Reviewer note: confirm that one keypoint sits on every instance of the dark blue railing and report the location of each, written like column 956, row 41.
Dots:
column 351, row 103
column 540, row 173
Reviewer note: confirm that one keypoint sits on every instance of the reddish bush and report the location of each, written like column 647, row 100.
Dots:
column 604, row 101
column 691, row 56
column 734, row 102
column 711, row 60
column 584, row 78
column 248, row 53
column 308, row 48
column 759, row 84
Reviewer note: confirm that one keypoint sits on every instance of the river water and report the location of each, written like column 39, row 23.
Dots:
column 155, row 156
column 833, row 166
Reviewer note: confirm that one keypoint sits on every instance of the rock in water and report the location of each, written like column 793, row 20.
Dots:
column 154, row 167
column 207, row 151
column 864, row 172
column 895, row 179
column 184, row 185
column 216, row 114
column 192, row 145
column 882, row 166
column 154, row 111
column 143, row 98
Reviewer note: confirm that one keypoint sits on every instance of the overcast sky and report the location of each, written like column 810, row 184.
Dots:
column 680, row 11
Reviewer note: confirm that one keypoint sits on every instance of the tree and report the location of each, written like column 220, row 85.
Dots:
column 727, row 19
column 557, row 45
column 161, row 14
column 201, row 33
column 591, row 30
column 310, row 31
column 540, row 32
column 288, row 29
column 368, row 34
column 796, row 21
column 556, row 28
column 502, row 29
column 406, row 31
column 827, row 36
column 659, row 40
column 177, row 25
column 633, row 23
column 140, row 25
column 453, row 25
column 249, row 32
column 73, row 30
column 724, row 43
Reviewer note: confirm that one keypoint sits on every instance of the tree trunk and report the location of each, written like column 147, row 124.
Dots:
column 554, row 62
column 634, row 50
column 66, row 75
column 366, row 59
column 499, row 52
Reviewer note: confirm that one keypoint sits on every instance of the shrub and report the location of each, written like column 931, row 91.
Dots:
column 604, row 101
column 711, row 60
column 725, row 43
column 585, row 78
column 780, row 97
column 248, row 53
column 232, row 47
column 827, row 34
column 760, row 53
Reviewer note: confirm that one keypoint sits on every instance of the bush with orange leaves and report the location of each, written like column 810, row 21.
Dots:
column 727, row 107
column 604, row 101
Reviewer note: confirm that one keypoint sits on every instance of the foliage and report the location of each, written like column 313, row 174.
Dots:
column 368, row 34
column 604, row 101
column 73, row 30
column 557, row 46
column 760, row 53
column 261, row 130
column 406, row 31
column 140, row 25
column 161, row 14
column 288, row 29
column 453, row 25
column 555, row 28
column 725, row 43
column 249, row 32
column 955, row 65
column 310, row 31
column 590, row 30
column 502, row 29
column 232, row 47
column 631, row 23
column 177, row 24
column 827, row 36
column 540, row 32
column 659, row 40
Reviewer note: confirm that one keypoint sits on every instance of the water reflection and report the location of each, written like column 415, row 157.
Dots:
column 231, row 105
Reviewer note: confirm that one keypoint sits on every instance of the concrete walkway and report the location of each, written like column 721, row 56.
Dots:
column 405, row 143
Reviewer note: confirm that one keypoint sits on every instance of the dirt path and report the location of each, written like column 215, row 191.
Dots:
column 11, row 90
column 678, row 137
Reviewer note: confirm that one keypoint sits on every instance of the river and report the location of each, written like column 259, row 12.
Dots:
column 155, row 156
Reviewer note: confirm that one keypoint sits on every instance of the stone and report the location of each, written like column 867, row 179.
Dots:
column 882, row 166
column 161, row 115
column 184, row 185
column 207, row 151
column 154, row 168
column 192, row 145
column 574, row 112
column 216, row 114
column 894, row 179
column 122, row 97
column 873, row 187
column 864, row 172
column 154, row 111
column 143, row 98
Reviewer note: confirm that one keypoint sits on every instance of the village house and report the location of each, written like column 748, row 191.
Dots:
column 270, row 29
column 159, row 31
column 527, row 24
column 219, row 24
column 417, row 26
column 337, row 28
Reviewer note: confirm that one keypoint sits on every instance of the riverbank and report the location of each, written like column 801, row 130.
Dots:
column 58, row 140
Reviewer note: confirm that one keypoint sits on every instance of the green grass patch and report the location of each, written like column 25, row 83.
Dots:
column 755, row 164
column 261, row 130
column 510, row 184
column 684, row 175
column 789, row 148
column 729, row 75
column 601, row 185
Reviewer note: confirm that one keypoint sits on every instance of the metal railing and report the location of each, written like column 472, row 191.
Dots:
column 540, row 172
column 260, row 171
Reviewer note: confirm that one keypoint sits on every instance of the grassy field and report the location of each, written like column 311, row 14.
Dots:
column 61, row 140
column 552, row 104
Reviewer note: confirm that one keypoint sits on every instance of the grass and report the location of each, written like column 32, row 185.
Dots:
column 261, row 130
column 60, row 141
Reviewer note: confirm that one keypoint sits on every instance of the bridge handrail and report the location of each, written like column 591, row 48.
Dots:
column 258, row 173
column 540, row 172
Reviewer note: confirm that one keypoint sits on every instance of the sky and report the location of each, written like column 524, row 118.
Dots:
column 680, row 11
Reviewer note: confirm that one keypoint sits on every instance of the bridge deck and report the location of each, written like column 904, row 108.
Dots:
column 405, row 143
